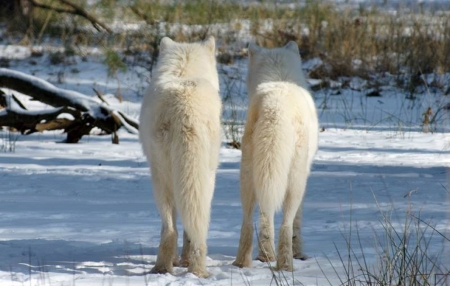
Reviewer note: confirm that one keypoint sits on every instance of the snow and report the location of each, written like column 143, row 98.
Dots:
column 14, row 52
column 84, row 214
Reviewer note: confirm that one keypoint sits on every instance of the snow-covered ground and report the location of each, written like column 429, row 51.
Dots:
column 83, row 214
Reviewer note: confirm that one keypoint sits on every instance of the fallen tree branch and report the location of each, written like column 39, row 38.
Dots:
column 44, row 91
column 128, row 120
column 57, row 124
column 87, row 112
column 26, row 121
column 120, row 118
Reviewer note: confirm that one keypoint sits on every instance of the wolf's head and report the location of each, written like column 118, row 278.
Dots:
column 188, row 60
column 278, row 64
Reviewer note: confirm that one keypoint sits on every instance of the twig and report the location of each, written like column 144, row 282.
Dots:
column 19, row 103
column 74, row 10
column 141, row 15
column 100, row 96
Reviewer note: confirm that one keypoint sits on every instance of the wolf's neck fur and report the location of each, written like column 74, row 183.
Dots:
column 276, row 70
column 186, row 63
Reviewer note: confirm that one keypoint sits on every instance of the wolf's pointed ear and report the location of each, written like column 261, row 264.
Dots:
column 292, row 46
column 253, row 49
column 165, row 42
column 210, row 43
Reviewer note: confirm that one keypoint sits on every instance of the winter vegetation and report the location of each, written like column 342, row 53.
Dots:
column 377, row 205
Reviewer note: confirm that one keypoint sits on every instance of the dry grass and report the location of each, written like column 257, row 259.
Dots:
column 349, row 41
column 404, row 254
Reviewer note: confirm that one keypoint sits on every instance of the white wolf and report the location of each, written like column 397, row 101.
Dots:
column 180, row 135
column 278, row 147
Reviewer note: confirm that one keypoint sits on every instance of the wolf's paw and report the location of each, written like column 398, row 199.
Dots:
column 242, row 263
column 200, row 273
column 300, row 256
column 263, row 257
column 160, row 269
column 284, row 266
column 184, row 262
column 175, row 263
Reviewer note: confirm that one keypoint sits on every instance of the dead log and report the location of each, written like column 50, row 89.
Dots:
column 87, row 113
column 15, row 115
column 56, row 124
column 43, row 91
column 3, row 102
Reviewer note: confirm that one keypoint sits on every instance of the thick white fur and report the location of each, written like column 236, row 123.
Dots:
column 180, row 135
column 278, row 148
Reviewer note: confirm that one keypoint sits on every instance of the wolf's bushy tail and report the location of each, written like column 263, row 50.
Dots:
column 273, row 150
column 193, row 173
